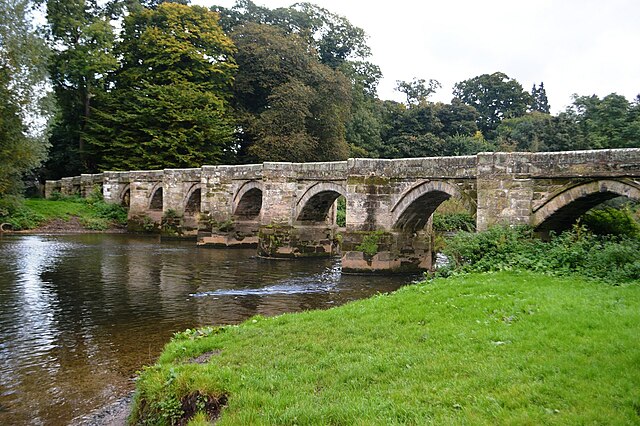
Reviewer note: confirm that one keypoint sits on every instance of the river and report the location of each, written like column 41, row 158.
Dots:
column 80, row 314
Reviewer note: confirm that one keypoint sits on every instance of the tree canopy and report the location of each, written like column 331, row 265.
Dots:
column 496, row 97
column 143, row 84
column 167, row 104
column 22, row 88
column 290, row 106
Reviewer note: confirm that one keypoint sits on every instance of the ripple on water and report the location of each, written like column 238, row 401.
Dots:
column 79, row 315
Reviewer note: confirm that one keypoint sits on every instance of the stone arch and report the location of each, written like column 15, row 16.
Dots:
column 561, row 210
column 124, row 197
column 156, row 200
column 193, row 199
column 414, row 208
column 247, row 202
column 317, row 200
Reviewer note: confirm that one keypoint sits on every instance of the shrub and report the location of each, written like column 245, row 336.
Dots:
column 8, row 205
column 611, row 221
column 453, row 222
column 24, row 218
column 611, row 258
column 369, row 245
column 341, row 212
column 111, row 212
column 95, row 223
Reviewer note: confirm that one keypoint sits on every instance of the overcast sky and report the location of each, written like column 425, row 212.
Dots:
column 573, row 46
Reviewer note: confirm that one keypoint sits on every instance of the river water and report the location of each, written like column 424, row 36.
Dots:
column 80, row 314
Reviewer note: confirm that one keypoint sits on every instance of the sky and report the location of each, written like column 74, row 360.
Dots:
column 582, row 47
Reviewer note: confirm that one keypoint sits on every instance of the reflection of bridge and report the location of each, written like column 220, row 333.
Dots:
column 288, row 209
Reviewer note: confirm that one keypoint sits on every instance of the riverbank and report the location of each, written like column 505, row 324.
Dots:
column 70, row 215
column 509, row 347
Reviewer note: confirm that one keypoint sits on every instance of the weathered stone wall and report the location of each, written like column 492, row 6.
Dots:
column 222, row 189
column 291, row 205
column 51, row 187
column 143, row 185
column 114, row 187
column 221, row 183
column 286, row 229
column 398, row 197
column 513, row 186
column 177, row 185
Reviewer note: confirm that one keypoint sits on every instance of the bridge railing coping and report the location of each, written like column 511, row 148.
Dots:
column 459, row 166
column 583, row 163
column 620, row 160
column 189, row 170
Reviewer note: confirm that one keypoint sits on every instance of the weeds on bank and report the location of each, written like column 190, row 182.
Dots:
column 611, row 258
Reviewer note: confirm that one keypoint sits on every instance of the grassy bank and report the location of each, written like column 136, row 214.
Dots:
column 90, row 213
column 506, row 348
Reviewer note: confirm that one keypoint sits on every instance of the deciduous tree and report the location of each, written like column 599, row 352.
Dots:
column 82, row 38
column 22, row 88
column 417, row 91
column 290, row 106
column 495, row 97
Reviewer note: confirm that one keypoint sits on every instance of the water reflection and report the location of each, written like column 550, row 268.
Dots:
column 80, row 314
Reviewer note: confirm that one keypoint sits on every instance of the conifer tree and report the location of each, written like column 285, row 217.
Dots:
column 540, row 102
column 168, row 105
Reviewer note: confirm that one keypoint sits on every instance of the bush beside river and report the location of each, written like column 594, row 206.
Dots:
column 507, row 347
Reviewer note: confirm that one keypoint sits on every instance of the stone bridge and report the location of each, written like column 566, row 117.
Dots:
column 289, row 209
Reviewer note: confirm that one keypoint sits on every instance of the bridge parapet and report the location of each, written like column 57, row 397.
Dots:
column 588, row 163
column 390, row 201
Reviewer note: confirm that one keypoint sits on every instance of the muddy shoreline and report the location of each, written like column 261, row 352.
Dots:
column 114, row 414
column 60, row 226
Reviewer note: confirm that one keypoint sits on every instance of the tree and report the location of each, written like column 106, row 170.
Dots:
column 418, row 90
column 610, row 122
column 364, row 127
column 82, row 39
column 540, row 103
column 290, row 106
column 326, row 38
column 411, row 132
column 495, row 97
column 457, row 119
column 333, row 38
column 169, row 101
column 530, row 132
column 466, row 145
column 22, row 88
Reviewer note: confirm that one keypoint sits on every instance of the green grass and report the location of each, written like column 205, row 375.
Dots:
column 92, row 212
column 501, row 348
